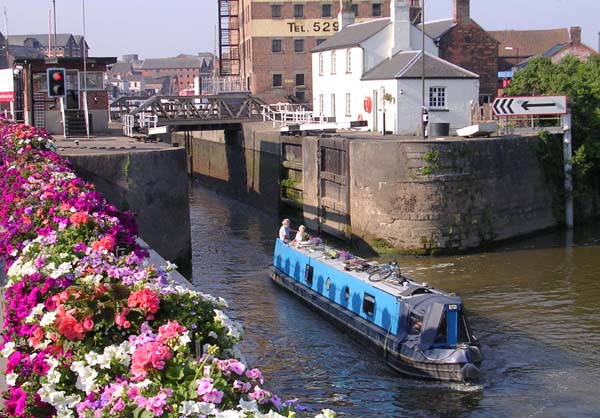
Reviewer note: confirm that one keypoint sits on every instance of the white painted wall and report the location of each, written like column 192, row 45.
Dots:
column 339, row 84
column 377, row 48
column 416, row 42
column 375, row 118
column 459, row 95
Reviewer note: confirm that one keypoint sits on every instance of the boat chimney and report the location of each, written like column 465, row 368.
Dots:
column 346, row 15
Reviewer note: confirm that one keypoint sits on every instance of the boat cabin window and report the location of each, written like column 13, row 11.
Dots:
column 464, row 332
column 328, row 283
column 369, row 304
column 308, row 275
column 415, row 323
column 347, row 293
column 442, row 333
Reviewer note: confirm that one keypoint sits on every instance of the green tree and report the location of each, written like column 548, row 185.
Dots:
column 580, row 82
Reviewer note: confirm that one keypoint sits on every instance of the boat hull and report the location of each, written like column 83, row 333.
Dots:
column 462, row 364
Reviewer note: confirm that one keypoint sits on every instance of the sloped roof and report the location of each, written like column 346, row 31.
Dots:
column 121, row 68
column 61, row 39
column 436, row 28
column 529, row 42
column 409, row 64
column 189, row 61
column 19, row 51
column 353, row 35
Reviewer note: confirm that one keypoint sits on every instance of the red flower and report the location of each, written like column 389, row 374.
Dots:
column 146, row 299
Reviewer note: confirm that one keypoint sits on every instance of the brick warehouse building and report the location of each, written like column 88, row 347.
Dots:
column 463, row 42
column 276, row 38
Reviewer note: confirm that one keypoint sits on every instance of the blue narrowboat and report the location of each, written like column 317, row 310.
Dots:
column 421, row 331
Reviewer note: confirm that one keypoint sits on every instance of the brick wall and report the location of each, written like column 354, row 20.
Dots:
column 261, row 63
column 471, row 47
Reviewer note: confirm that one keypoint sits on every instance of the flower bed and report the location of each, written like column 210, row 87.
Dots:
column 92, row 330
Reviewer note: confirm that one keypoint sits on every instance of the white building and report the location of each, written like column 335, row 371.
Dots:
column 365, row 63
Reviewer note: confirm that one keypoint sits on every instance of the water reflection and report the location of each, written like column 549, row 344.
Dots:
column 533, row 304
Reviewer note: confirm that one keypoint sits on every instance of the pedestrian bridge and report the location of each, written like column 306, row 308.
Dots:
column 162, row 114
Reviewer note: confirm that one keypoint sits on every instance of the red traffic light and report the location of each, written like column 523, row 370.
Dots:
column 56, row 82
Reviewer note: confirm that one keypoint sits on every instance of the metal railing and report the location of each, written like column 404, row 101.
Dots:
column 223, row 84
column 286, row 114
column 147, row 120
column 128, row 122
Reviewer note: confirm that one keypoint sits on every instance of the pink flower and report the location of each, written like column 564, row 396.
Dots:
column 79, row 218
column 150, row 356
column 171, row 329
column 255, row 374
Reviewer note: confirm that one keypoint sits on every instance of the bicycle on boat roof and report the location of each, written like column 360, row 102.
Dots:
column 380, row 272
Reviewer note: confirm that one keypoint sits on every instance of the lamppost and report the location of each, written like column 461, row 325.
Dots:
column 424, row 115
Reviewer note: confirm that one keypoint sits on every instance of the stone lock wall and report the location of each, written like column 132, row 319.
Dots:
column 452, row 194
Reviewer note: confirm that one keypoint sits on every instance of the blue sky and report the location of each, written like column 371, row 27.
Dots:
column 156, row 28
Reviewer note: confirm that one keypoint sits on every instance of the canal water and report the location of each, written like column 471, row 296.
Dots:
column 535, row 306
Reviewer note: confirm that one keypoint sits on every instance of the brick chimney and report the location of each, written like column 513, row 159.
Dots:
column 575, row 34
column 400, row 17
column 462, row 10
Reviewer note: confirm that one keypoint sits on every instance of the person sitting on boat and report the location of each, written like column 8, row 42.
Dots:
column 285, row 232
column 301, row 235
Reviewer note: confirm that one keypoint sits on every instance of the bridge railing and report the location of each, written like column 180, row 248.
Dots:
column 128, row 122
column 286, row 114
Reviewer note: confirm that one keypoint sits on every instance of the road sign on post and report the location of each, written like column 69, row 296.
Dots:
column 530, row 105
column 57, row 83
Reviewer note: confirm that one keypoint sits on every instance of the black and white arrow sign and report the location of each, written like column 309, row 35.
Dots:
column 533, row 105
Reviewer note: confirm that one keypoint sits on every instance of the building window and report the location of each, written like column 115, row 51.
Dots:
column 277, row 80
column 321, row 104
column 301, row 96
column 321, row 63
column 333, row 104
column 348, row 61
column 320, row 41
column 276, row 46
column 333, row 62
column 348, row 104
column 376, row 9
column 299, row 79
column 354, row 9
column 276, row 11
column 298, row 10
column 326, row 10
column 437, row 97
column 298, row 45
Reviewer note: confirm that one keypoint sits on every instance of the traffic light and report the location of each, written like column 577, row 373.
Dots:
column 56, row 82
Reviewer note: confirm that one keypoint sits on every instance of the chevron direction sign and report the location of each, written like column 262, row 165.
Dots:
column 530, row 105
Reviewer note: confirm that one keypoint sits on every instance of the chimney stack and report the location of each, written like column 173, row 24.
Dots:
column 400, row 17
column 575, row 34
column 462, row 10
column 346, row 15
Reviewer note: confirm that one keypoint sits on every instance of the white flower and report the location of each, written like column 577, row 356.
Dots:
column 11, row 379
column 48, row 319
column 8, row 349
column 234, row 329
column 326, row 413
column 230, row 414
column 192, row 408
column 35, row 312
column 184, row 339
column 86, row 376
column 248, row 405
